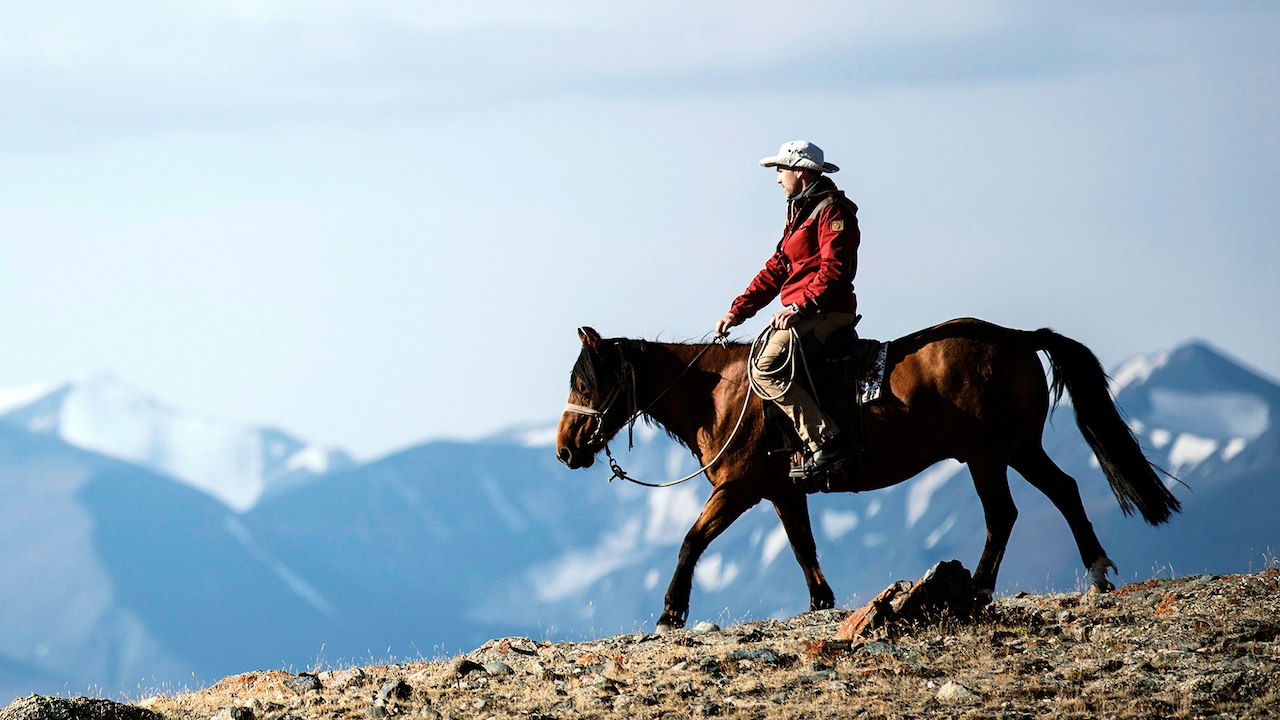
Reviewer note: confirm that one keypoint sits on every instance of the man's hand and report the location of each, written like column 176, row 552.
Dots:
column 729, row 320
column 783, row 319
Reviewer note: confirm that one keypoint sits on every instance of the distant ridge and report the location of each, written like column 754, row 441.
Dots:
column 234, row 462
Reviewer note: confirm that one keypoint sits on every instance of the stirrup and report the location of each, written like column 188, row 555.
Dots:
column 822, row 461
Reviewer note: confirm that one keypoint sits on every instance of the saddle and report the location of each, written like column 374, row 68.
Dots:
column 848, row 372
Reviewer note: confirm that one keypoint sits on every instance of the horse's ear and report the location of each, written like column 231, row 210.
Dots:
column 589, row 337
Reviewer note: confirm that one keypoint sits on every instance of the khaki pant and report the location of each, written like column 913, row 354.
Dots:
column 812, row 425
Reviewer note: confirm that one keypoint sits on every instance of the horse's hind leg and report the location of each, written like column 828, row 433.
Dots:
column 793, row 511
column 1035, row 465
column 724, row 506
column 991, row 480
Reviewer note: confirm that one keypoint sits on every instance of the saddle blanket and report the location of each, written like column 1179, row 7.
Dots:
column 872, row 381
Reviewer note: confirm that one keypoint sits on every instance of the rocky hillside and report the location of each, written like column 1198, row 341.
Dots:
column 1201, row 646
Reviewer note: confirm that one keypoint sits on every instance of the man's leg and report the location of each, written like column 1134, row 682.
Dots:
column 783, row 383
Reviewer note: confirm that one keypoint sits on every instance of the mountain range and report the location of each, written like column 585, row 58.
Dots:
column 149, row 548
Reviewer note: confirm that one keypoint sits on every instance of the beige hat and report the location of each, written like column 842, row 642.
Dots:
column 800, row 154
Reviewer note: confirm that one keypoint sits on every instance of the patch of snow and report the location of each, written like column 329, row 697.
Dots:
column 1135, row 370
column 1189, row 450
column 923, row 488
column 773, row 544
column 221, row 458
column 651, row 579
column 45, row 423
column 291, row 579
column 713, row 573
column 311, row 458
column 671, row 514
column 578, row 570
column 934, row 537
column 677, row 459
column 537, row 437
column 1219, row 415
column 1233, row 448
column 836, row 524
column 645, row 432
column 12, row 398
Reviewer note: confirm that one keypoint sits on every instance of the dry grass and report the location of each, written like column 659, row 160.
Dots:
column 1188, row 648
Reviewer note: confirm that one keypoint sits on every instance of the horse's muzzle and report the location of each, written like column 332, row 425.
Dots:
column 566, row 456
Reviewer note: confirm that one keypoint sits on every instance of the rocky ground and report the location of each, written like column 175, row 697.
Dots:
column 1202, row 646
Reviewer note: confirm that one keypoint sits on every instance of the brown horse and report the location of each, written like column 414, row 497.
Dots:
column 965, row 389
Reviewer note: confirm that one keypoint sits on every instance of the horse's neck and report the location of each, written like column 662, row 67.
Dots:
column 687, row 390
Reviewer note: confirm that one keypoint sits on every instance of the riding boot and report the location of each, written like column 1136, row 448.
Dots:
column 831, row 456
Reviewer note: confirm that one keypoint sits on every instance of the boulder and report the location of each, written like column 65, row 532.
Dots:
column 946, row 589
column 38, row 707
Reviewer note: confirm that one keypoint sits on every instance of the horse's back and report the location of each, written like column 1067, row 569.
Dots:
column 970, row 379
column 966, row 329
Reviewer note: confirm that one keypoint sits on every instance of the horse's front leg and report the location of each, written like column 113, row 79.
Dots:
column 724, row 506
column 793, row 511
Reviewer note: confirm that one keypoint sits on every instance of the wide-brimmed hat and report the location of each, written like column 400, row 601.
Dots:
column 800, row 154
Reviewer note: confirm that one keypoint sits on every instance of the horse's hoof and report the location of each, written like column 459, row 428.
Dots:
column 669, row 625
column 1098, row 581
column 821, row 604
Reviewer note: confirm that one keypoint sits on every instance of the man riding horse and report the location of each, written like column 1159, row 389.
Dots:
column 812, row 270
column 964, row 389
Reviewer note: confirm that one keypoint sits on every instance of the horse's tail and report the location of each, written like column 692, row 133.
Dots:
column 1133, row 478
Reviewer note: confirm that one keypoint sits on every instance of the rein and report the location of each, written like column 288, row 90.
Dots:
column 628, row 374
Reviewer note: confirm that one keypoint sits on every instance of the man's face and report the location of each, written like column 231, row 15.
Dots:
column 791, row 180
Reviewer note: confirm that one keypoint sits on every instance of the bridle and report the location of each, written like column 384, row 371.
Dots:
column 627, row 379
column 627, row 374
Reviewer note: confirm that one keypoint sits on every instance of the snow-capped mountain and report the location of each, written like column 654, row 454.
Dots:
column 233, row 462
column 1194, row 406
column 115, row 572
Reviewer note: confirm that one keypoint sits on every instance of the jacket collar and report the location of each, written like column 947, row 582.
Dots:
column 819, row 188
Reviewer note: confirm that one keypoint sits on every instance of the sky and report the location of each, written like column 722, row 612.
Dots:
column 374, row 224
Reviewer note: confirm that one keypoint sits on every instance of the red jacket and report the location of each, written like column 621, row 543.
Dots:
column 816, row 259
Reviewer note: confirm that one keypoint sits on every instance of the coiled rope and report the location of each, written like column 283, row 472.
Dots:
column 794, row 356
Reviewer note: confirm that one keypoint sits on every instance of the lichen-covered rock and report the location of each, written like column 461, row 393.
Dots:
column 303, row 683
column 954, row 692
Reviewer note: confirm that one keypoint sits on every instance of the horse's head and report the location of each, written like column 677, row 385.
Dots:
column 601, row 400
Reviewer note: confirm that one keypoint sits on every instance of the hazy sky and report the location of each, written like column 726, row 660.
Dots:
column 377, row 223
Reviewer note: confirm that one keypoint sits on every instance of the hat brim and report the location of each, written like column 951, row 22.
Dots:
column 803, row 163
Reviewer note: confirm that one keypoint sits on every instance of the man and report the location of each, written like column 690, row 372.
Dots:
column 812, row 270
